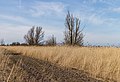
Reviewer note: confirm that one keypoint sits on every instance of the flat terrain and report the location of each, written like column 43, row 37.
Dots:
column 15, row 67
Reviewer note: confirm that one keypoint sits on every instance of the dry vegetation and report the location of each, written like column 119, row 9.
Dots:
column 19, row 68
column 99, row 62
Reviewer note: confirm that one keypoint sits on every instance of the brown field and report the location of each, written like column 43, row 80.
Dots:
column 99, row 62
column 15, row 67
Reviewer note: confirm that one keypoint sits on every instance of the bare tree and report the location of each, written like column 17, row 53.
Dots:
column 38, row 36
column 73, row 34
column 51, row 41
column 34, row 36
column 2, row 42
column 29, row 37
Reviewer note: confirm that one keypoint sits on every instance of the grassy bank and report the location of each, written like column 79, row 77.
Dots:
column 100, row 62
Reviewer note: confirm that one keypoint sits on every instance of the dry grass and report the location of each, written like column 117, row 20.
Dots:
column 18, row 68
column 101, row 62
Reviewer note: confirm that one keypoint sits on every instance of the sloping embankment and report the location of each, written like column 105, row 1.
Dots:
column 17, row 68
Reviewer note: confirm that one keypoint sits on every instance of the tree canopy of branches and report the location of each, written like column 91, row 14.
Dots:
column 73, row 34
column 34, row 36
column 51, row 41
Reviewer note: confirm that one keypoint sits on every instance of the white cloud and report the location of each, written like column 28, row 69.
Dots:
column 91, row 18
column 19, row 19
column 100, row 20
column 14, row 18
column 109, row 2
column 46, row 8
column 12, row 32
column 116, row 9
column 95, row 20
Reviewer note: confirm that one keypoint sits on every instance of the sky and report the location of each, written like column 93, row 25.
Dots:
column 101, row 19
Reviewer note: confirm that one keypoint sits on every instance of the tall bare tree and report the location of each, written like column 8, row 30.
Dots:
column 34, row 36
column 73, row 34
column 51, row 41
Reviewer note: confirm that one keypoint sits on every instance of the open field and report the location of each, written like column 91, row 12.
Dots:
column 100, row 62
column 15, row 67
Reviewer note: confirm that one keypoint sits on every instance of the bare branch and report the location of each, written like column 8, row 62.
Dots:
column 34, row 36
column 73, row 34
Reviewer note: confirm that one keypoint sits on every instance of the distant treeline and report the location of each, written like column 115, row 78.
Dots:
column 72, row 35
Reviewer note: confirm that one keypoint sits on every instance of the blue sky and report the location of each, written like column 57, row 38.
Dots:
column 101, row 19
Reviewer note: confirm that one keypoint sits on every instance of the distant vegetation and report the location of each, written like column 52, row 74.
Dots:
column 34, row 36
column 51, row 41
column 72, row 35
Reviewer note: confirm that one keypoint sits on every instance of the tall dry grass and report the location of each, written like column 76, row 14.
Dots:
column 100, row 62
column 8, row 69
